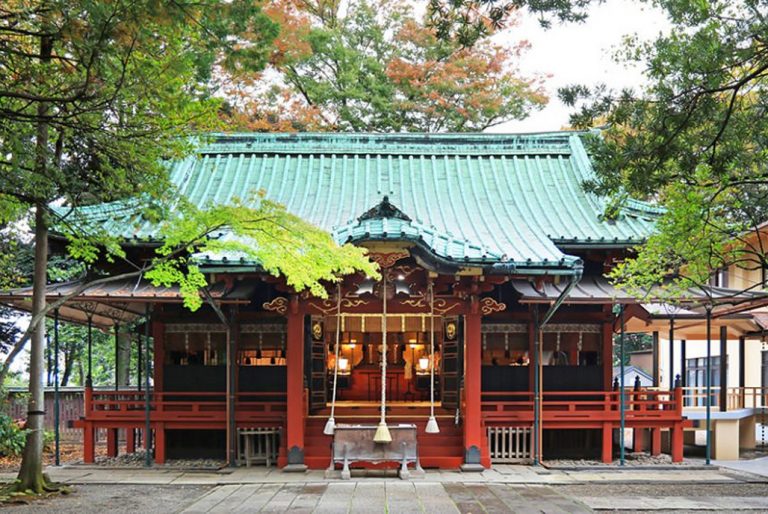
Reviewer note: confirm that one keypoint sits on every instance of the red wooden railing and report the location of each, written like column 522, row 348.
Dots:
column 577, row 407
column 111, row 406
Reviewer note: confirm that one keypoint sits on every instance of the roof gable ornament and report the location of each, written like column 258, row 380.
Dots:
column 385, row 209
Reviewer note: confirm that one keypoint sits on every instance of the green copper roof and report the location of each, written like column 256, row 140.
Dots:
column 485, row 198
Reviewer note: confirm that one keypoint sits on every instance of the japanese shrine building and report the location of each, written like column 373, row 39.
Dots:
column 498, row 227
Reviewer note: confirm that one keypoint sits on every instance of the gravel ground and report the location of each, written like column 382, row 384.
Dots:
column 656, row 490
column 631, row 459
column 136, row 460
column 128, row 499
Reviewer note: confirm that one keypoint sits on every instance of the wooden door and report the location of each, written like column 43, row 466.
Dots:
column 451, row 368
column 317, row 375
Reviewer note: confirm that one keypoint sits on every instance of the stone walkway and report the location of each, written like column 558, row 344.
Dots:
column 506, row 488
column 500, row 474
column 754, row 466
column 390, row 496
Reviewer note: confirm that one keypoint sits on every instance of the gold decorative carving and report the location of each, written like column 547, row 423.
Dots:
column 317, row 330
column 387, row 260
column 443, row 306
column 489, row 306
column 415, row 302
column 451, row 330
column 278, row 305
column 328, row 306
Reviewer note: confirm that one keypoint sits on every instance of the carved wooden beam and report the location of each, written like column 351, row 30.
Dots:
column 387, row 260
column 278, row 305
column 488, row 306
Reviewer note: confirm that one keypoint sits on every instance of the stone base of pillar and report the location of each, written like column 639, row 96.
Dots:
column 295, row 468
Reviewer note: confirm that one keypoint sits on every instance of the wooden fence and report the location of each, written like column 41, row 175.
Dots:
column 70, row 408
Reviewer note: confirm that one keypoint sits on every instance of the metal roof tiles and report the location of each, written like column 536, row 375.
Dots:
column 468, row 197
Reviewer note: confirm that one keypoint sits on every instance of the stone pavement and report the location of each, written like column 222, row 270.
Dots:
column 506, row 488
column 500, row 474
column 755, row 466
column 385, row 496
column 685, row 503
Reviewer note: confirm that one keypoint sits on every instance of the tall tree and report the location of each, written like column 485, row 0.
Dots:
column 695, row 139
column 374, row 65
column 465, row 21
column 94, row 96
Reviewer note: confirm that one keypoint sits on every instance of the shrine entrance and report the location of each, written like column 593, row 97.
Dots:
column 408, row 357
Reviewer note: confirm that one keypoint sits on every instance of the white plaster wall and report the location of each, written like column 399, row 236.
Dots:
column 696, row 349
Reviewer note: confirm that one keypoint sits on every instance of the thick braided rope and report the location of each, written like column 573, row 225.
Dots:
column 336, row 350
column 384, row 352
column 431, row 350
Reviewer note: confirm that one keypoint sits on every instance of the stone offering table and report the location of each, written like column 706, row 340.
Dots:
column 354, row 443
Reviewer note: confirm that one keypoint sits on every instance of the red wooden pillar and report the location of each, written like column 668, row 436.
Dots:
column 158, row 332
column 87, row 401
column 531, row 350
column 676, row 443
column 676, row 435
column 473, row 431
column 111, row 442
column 89, row 441
column 655, row 441
column 160, row 443
column 607, row 453
column 638, row 440
column 607, row 359
column 295, row 388
column 130, row 440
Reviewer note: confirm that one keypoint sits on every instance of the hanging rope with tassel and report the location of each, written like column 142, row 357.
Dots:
column 382, row 431
column 432, row 427
column 330, row 425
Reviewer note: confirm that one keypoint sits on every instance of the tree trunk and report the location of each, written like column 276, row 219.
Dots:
column 68, row 362
column 31, row 472
column 124, row 359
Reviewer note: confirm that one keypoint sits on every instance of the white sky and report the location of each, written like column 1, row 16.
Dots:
column 581, row 53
